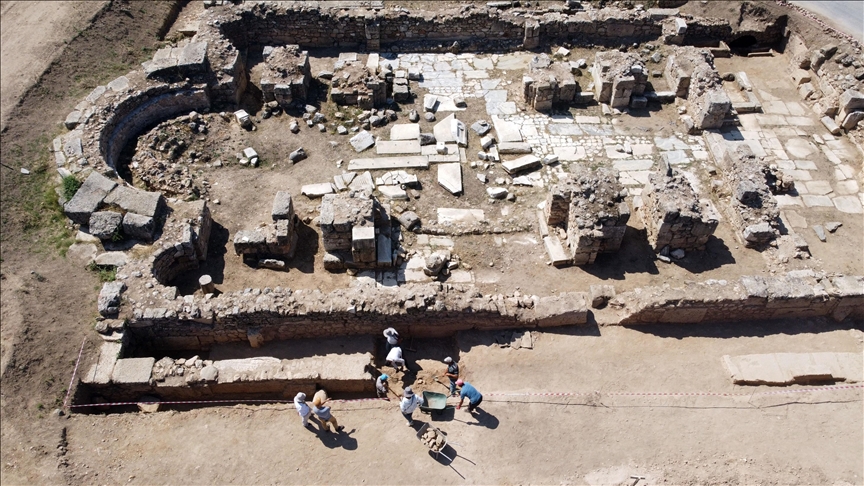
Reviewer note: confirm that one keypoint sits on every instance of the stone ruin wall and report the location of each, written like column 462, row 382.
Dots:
column 113, row 115
column 673, row 214
column 184, row 243
column 434, row 310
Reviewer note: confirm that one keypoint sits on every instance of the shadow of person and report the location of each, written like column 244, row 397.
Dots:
column 484, row 419
column 342, row 439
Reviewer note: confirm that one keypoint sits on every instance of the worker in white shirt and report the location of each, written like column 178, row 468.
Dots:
column 392, row 338
column 302, row 409
column 409, row 403
column 394, row 358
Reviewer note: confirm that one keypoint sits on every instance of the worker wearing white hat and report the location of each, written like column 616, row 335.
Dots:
column 302, row 409
column 409, row 403
column 452, row 373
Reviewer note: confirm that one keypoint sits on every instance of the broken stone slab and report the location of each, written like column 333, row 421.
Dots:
column 443, row 130
column 832, row 226
column 362, row 183
column 829, row 124
column 135, row 200
column 820, row 232
column 100, row 372
column 242, row 118
column 454, row 215
column 131, row 371
column 409, row 220
column 283, row 206
column 513, row 148
column 313, row 191
column 507, row 131
column 555, row 250
column 110, row 298
column 852, row 120
column 82, row 253
column 481, row 127
column 388, row 163
column 459, row 132
column 496, row 192
column 528, row 162
column 88, row 198
column 384, row 251
column 405, row 132
column 743, row 81
column 139, row 226
column 450, row 177
column 104, row 224
column 271, row 264
column 393, row 192
column 430, row 102
column 788, row 368
column 487, row 142
column 111, row 259
column 297, row 155
column 389, row 147
column 73, row 119
column 427, row 139
column 362, row 141
column 397, row 178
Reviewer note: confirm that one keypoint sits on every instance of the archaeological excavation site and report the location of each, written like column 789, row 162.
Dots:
column 283, row 181
column 602, row 242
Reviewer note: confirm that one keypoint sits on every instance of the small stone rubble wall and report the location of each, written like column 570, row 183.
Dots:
column 355, row 85
column 752, row 208
column 184, row 242
column 547, row 83
column 618, row 76
column 673, row 214
column 145, row 108
column 796, row 294
column 282, row 314
column 286, row 77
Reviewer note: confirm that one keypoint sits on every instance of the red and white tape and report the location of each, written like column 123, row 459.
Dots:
column 202, row 402
column 550, row 394
column 685, row 394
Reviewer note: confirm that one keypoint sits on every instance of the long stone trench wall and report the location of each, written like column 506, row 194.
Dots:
column 479, row 27
column 441, row 310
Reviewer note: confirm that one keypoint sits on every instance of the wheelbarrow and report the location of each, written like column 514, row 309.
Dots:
column 433, row 402
column 434, row 448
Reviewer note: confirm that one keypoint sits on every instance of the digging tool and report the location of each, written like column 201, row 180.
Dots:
column 438, row 380
column 637, row 478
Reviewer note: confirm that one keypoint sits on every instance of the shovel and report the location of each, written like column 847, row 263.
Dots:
column 437, row 380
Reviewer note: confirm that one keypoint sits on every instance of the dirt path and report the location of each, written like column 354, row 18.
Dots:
column 32, row 34
column 812, row 438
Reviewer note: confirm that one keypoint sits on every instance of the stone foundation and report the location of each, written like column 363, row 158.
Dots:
column 674, row 216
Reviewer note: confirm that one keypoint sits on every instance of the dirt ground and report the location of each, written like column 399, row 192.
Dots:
column 32, row 35
column 47, row 307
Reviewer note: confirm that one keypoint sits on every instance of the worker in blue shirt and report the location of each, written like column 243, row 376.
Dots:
column 466, row 390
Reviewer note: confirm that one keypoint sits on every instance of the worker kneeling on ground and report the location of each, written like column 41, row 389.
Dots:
column 382, row 386
column 467, row 391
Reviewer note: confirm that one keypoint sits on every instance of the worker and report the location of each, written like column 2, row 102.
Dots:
column 323, row 412
column 467, row 391
column 382, row 386
column 302, row 409
column 392, row 338
column 409, row 403
column 394, row 358
column 452, row 373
